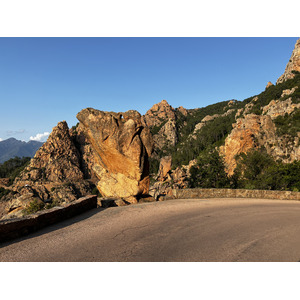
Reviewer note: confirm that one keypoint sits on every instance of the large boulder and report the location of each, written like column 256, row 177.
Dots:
column 121, row 147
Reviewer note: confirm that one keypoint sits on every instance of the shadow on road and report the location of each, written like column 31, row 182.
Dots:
column 56, row 226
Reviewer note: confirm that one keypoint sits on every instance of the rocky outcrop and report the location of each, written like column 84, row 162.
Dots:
column 187, row 168
column 165, row 167
column 4, row 182
column 158, row 113
column 288, row 92
column 161, row 119
column 242, row 112
column 107, row 150
column 168, row 179
column 182, row 110
column 56, row 160
column 292, row 65
column 269, row 84
column 53, row 175
column 121, row 147
column 255, row 131
column 248, row 132
column 167, row 135
column 279, row 108
column 87, row 155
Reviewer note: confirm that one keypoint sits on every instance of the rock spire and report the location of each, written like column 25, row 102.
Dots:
column 292, row 65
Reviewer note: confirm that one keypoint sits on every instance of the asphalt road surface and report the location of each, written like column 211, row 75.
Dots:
column 177, row 230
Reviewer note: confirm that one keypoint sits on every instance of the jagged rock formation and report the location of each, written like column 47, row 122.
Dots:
column 167, row 135
column 248, row 133
column 279, row 108
column 161, row 119
column 269, row 84
column 292, row 65
column 165, row 167
column 53, row 175
column 255, row 131
column 121, row 146
column 168, row 179
column 158, row 113
column 87, row 155
column 182, row 110
column 109, row 150
column 187, row 168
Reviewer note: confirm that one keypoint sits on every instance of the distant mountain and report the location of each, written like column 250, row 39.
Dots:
column 12, row 147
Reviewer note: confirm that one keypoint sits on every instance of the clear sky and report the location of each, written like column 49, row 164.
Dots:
column 47, row 80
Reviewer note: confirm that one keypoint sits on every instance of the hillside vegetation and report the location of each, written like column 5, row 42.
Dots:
column 13, row 167
column 256, row 169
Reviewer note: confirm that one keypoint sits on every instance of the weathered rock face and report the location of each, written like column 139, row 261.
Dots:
column 244, row 136
column 87, row 155
column 56, row 160
column 167, row 135
column 293, row 64
column 4, row 182
column 182, row 110
column 121, row 147
column 187, row 168
column 279, row 108
column 168, row 179
column 254, row 131
column 164, row 167
column 158, row 113
column 53, row 175
column 163, row 117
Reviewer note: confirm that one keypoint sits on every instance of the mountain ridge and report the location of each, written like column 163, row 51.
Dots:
column 12, row 147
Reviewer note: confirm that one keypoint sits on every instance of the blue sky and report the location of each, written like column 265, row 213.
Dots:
column 47, row 80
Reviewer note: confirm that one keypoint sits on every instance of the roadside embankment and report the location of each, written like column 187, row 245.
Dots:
column 13, row 228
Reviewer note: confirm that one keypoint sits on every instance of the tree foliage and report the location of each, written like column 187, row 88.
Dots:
column 209, row 136
column 13, row 167
column 255, row 170
column 288, row 124
column 209, row 172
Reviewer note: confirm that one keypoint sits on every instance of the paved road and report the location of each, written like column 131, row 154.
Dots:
column 177, row 230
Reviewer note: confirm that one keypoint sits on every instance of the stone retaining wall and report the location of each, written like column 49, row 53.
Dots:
column 238, row 193
column 13, row 228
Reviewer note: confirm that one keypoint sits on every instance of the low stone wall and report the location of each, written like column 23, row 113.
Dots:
column 231, row 193
column 13, row 228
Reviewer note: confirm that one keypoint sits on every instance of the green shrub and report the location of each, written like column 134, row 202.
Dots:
column 288, row 124
column 258, row 170
column 33, row 207
column 209, row 172
column 52, row 204
column 3, row 192
column 95, row 191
